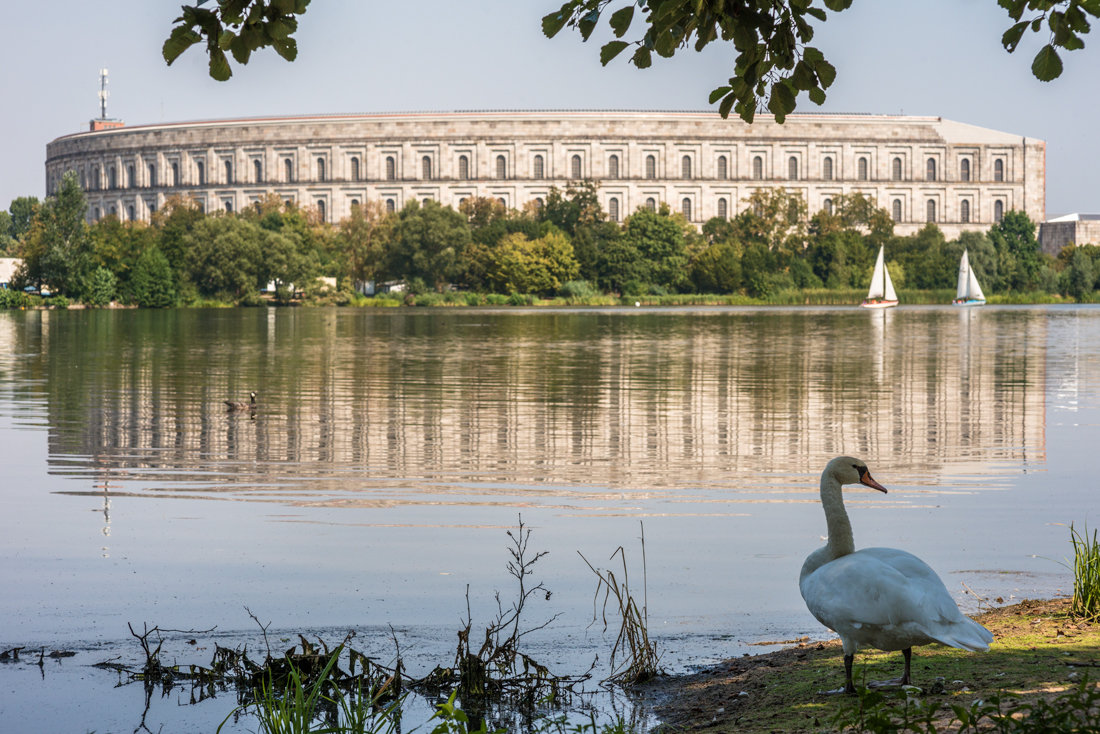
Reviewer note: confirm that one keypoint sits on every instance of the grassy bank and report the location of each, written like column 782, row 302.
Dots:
column 1040, row 652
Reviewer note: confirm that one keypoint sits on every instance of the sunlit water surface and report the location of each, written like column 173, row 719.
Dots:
column 391, row 452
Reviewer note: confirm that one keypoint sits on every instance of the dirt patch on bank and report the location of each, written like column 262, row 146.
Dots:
column 1039, row 651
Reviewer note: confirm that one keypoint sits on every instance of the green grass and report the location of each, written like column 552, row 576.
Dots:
column 1086, row 575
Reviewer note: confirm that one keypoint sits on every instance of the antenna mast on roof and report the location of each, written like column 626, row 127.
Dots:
column 103, row 94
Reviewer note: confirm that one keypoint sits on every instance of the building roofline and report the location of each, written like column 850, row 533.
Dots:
column 452, row 114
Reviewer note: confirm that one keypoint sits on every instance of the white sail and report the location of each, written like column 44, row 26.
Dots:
column 877, row 288
column 881, row 293
column 968, row 288
column 890, row 295
column 963, row 286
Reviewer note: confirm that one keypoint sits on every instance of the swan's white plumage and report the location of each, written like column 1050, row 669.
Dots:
column 878, row 597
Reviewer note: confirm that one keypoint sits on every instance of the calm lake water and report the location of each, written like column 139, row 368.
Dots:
column 391, row 451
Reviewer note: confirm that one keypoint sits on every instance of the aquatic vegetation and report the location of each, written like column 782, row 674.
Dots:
column 641, row 663
column 1086, row 575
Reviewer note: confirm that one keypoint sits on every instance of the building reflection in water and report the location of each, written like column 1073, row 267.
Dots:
column 555, row 407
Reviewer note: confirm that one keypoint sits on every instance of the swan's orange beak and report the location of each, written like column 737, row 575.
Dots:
column 866, row 480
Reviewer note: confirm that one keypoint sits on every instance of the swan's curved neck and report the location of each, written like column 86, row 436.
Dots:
column 841, row 542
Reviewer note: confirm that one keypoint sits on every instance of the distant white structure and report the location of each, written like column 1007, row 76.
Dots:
column 1069, row 229
column 8, row 266
column 920, row 169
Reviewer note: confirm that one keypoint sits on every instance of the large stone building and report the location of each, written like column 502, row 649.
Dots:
column 920, row 169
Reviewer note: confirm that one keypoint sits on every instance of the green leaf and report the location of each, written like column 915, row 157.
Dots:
column 642, row 58
column 554, row 22
column 225, row 40
column 826, row 73
column 838, row 5
column 620, row 20
column 727, row 104
column 719, row 93
column 817, row 95
column 288, row 49
column 219, row 65
column 1012, row 36
column 1047, row 65
column 782, row 99
column 610, row 50
column 180, row 40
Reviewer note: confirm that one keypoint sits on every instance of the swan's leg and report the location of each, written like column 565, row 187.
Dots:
column 903, row 680
column 848, row 686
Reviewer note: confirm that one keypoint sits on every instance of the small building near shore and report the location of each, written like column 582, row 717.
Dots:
column 8, row 267
column 1071, row 229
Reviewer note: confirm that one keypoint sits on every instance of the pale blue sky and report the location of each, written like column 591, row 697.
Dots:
column 926, row 57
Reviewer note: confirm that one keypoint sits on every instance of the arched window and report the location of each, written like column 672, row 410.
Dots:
column 539, row 167
column 998, row 210
column 502, row 202
column 651, row 204
column 896, row 212
column 200, row 168
column 228, row 171
column 792, row 168
column 391, row 205
column 827, row 169
column 999, row 170
column 964, row 169
column 685, row 167
column 650, row 166
column 463, row 167
column 288, row 170
column 827, row 205
column 355, row 169
column 722, row 208
column 685, row 207
column 861, row 168
column 502, row 167
column 152, row 174
column 613, row 209
column 723, row 168
column 130, row 183
column 391, row 169
column 575, row 166
column 758, row 168
column 258, row 170
column 613, row 167
column 539, row 202
column 896, row 169
column 175, row 173
column 321, row 209
column 930, row 210
column 228, row 204
column 354, row 203
column 964, row 211
column 426, row 168
column 930, row 170
column 130, row 212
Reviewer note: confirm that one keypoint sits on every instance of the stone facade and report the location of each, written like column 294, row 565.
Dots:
column 1072, row 229
column 919, row 169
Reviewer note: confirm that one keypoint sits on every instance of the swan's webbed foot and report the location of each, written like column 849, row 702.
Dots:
column 891, row 683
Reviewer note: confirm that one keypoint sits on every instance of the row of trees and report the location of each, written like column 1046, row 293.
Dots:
column 568, row 245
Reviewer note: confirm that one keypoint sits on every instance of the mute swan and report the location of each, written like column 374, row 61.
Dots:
column 237, row 405
column 877, row 597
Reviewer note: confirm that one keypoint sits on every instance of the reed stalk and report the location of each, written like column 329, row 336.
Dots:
column 1086, row 575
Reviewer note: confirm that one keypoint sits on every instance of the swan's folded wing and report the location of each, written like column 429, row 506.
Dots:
column 878, row 589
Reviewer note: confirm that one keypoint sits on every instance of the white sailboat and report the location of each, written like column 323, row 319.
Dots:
column 881, row 293
column 968, row 292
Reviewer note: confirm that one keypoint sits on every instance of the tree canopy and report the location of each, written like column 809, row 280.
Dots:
column 774, row 63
